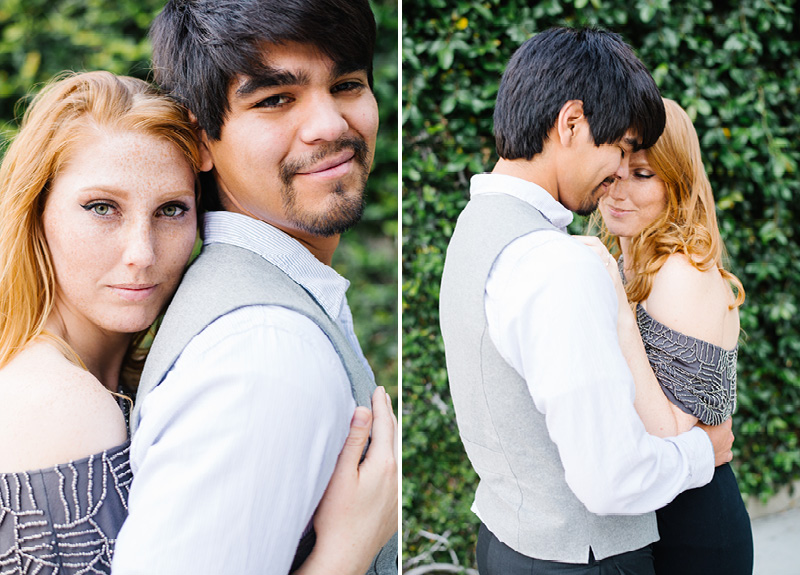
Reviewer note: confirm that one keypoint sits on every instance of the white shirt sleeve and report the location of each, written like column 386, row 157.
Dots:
column 552, row 314
column 235, row 448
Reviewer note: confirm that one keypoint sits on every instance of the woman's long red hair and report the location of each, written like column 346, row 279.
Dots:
column 688, row 225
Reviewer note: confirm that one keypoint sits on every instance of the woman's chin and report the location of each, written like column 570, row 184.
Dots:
column 129, row 325
column 616, row 228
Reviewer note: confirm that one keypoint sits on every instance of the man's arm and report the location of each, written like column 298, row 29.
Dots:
column 235, row 448
column 556, row 325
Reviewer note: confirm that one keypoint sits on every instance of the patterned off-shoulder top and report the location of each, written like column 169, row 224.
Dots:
column 695, row 375
column 64, row 520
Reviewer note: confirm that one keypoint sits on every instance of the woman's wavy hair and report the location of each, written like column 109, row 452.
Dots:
column 688, row 225
column 60, row 118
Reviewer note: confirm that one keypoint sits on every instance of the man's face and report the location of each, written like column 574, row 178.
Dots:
column 592, row 169
column 296, row 148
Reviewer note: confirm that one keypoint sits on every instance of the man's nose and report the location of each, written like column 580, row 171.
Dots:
column 324, row 121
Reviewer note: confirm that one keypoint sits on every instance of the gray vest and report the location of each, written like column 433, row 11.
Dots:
column 522, row 496
column 221, row 280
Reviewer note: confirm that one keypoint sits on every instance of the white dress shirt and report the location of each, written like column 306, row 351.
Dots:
column 237, row 444
column 551, row 311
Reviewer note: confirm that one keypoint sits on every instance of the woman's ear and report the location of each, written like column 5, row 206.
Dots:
column 569, row 121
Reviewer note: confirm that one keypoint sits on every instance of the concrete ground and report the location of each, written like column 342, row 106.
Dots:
column 776, row 538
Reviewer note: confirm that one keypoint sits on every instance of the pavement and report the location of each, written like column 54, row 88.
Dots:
column 776, row 539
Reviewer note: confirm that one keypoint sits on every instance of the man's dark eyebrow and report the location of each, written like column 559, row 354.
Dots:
column 271, row 78
column 343, row 68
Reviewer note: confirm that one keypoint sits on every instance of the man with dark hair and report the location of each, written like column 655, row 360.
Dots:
column 543, row 396
column 251, row 383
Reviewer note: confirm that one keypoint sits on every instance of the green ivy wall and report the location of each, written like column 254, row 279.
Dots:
column 735, row 67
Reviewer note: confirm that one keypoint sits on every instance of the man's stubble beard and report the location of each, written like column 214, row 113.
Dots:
column 590, row 202
column 348, row 203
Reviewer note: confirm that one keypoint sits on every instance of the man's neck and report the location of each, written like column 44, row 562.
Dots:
column 536, row 171
column 320, row 247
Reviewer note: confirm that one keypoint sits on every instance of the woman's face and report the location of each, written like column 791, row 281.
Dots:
column 636, row 201
column 120, row 222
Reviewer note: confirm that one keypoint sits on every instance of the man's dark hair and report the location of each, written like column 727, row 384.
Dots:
column 199, row 46
column 562, row 64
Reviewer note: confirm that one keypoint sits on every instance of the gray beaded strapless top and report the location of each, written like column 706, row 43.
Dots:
column 697, row 376
column 64, row 519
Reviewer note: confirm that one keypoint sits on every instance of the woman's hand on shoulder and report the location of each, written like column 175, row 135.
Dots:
column 56, row 411
column 694, row 302
column 358, row 513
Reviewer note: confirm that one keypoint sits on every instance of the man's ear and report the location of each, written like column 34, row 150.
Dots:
column 206, row 159
column 569, row 121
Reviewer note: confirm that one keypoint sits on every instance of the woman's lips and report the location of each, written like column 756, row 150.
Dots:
column 616, row 212
column 134, row 292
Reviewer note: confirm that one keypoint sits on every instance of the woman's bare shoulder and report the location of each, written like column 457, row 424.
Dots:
column 52, row 411
column 694, row 302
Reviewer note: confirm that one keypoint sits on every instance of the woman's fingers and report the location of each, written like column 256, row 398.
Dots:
column 384, row 428
column 350, row 456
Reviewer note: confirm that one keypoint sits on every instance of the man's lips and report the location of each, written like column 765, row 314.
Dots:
column 332, row 167
column 134, row 292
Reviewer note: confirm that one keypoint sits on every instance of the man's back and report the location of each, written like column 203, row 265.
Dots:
column 523, row 497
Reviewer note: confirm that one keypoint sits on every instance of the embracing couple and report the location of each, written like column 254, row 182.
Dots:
column 592, row 391
column 252, row 410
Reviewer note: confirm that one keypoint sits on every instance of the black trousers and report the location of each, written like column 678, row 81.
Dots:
column 497, row 558
column 705, row 531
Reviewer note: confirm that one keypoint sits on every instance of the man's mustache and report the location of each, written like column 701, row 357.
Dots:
column 289, row 168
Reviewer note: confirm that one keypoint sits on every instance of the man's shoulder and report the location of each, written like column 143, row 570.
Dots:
column 247, row 345
column 229, row 264
column 264, row 343
column 551, row 252
column 282, row 326
column 225, row 277
column 251, row 320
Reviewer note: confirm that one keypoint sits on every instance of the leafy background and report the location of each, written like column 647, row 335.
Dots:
column 735, row 67
column 40, row 38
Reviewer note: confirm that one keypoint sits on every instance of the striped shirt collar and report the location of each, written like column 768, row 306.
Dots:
column 524, row 190
column 281, row 250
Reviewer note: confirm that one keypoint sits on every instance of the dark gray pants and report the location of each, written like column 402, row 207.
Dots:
column 497, row 558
